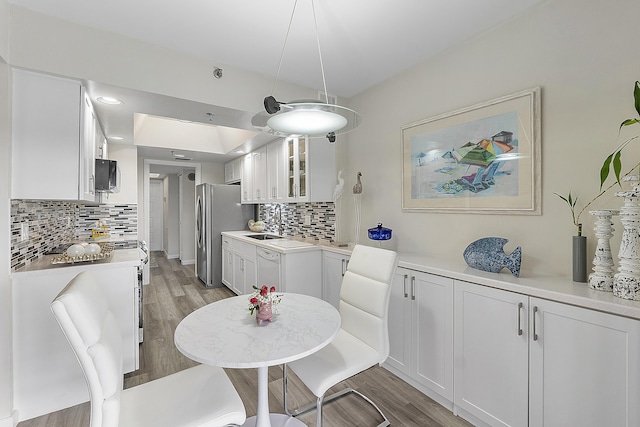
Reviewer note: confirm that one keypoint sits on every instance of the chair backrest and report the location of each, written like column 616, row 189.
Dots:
column 364, row 296
column 93, row 332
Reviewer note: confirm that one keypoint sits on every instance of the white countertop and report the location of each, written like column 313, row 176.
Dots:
column 43, row 266
column 554, row 288
column 279, row 244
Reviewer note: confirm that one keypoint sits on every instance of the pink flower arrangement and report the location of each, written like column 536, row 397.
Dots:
column 263, row 295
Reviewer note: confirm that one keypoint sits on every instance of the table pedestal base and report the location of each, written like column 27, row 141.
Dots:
column 277, row 420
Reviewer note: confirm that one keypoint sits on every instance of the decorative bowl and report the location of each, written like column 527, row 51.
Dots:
column 256, row 226
column 379, row 232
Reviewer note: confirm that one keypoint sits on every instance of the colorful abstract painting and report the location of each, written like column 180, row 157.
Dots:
column 483, row 158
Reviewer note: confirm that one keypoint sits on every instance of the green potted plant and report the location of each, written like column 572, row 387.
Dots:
column 613, row 163
column 615, row 159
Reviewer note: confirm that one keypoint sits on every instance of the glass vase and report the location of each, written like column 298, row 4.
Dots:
column 264, row 313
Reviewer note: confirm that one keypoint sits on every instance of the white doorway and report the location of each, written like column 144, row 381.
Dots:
column 144, row 220
column 156, row 224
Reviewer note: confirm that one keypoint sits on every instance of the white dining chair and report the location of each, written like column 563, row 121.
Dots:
column 363, row 338
column 198, row 396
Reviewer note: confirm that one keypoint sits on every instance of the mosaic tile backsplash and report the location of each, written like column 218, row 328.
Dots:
column 322, row 216
column 51, row 223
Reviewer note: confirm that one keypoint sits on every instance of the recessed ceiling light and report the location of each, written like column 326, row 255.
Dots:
column 109, row 100
column 154, row 175
column 239, row 151
column 116, row 138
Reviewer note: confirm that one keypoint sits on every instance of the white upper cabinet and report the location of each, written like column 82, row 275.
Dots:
column 276, row 171
column 53, row 139
column 247, row 179
column 296, row 149
column 288, row 171
column 259, row 163
column 233, row 171
column 311, row 170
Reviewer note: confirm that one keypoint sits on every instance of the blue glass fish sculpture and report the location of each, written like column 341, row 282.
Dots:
column 487, row 254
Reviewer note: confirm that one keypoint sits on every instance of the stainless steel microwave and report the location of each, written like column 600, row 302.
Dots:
column 107, row 176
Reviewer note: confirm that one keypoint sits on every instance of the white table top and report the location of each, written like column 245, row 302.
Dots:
column 225, row 334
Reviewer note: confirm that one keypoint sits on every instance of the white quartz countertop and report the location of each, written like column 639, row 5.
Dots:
column 43, row 266
column 279, row 244
column 288, row 244
column 554, row 288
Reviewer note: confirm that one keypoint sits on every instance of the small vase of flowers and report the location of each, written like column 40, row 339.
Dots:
column 263, row 301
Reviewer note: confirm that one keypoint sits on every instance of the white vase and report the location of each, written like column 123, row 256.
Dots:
column 603, row 267
column 626, row 283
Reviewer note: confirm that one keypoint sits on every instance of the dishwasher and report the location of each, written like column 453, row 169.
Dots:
column 268, row 268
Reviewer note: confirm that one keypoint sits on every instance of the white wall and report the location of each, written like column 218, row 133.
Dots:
column 213, row 173
column 85, row 53
column 6, row 403
column 171, row 216
column 127, row 158
column 580, row 54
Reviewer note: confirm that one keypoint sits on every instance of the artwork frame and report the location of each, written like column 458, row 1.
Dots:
column 482, row 159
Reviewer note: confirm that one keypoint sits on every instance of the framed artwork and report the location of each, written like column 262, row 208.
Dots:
column 480, row 159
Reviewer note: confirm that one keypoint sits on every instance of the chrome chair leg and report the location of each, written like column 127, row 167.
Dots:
column 322, row 400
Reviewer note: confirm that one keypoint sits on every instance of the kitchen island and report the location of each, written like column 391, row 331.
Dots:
column 46, row 373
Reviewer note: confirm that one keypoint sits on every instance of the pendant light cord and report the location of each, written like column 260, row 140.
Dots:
column 286, row 38
column 315, row 22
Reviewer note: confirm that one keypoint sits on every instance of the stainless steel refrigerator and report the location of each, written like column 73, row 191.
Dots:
column 218, row 209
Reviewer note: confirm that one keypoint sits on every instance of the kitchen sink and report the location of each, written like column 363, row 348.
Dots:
column 263, row 236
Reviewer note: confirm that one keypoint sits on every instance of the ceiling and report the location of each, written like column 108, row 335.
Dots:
column 363, row 42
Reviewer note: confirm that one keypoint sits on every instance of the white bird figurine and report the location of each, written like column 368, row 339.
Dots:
column 357, row 189
column 337, row 191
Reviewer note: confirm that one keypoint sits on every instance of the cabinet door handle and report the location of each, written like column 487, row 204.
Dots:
column 519, row 312
column 535, row 334
column 344, row 262
column 404, row 285
column 413, row 288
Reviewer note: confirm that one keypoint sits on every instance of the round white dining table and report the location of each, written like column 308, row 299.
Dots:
column 224, row 334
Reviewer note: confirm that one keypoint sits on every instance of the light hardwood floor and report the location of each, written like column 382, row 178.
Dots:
column 174, row 292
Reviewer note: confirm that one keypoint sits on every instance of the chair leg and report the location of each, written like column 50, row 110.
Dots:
column 322, row 400
column 284, row 390
column 319, row 412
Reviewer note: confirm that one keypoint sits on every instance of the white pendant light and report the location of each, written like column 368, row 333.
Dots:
column 308, row 117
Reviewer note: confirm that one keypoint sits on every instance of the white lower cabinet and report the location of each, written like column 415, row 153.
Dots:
column 241, row 260
column 227, row 262
column 334, row 265
column 584, row 367
column 421, row 332
column 521, row 361
column 491, row 355
column 302, row 273
column 246, row 264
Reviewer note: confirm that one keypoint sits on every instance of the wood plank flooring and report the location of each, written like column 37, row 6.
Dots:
column 174, row 292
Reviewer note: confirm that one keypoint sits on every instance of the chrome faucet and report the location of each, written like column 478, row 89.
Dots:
column 279, row 219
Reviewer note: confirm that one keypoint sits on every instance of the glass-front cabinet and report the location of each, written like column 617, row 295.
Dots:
column 297, row 185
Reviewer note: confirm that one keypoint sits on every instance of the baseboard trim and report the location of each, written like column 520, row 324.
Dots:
column 11, row 421
column 438, row 398
column 187, row 261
